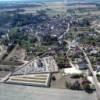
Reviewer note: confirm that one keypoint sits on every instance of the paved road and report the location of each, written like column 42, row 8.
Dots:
column 61, row 37
column 94, row 75
column 19, row 92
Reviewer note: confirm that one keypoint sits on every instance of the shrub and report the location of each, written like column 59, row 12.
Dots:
column 77, row 76
column 53, row 78
column 68, row 85
column 98, row 77
column 76, row 86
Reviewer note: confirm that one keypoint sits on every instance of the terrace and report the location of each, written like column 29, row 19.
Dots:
column 39, row 65
column 32, row 79
column 35, row 73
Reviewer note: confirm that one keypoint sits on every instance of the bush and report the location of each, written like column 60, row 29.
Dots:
column 76, row 86
column 68, row 85
column 53, row 78
column 92, row 86
column 98, row 77
column 87, row 87
column 77, row 76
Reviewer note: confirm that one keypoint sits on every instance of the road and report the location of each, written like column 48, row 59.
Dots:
column 94, row 75
column 15, row 92
column 61, row 37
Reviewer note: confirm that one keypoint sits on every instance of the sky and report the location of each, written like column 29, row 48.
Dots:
column 89, row 1
column 14, row 0
column 9, row 0
column 32, row 0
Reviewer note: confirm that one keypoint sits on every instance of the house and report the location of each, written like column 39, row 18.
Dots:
column 83, row 66
column 93, row 51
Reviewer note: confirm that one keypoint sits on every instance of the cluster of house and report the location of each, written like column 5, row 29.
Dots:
column 52, row 28
column 80, row 63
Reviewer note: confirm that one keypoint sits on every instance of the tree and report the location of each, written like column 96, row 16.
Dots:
column 41, row 12
column 76, row 86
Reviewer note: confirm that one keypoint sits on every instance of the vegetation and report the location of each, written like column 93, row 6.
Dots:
column 98, row 77
column 76, row 86
column 68, row 84
column 77, row 76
